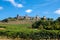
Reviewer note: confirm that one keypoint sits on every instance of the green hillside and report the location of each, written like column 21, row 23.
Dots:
column 42, row 29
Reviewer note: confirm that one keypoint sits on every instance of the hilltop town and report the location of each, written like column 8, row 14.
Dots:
column 26, row 17
column 22, row 19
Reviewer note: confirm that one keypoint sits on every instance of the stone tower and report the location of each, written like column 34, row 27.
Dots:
column 18, row 17
column 27, row 17
column 37, row 17
column 44, row 17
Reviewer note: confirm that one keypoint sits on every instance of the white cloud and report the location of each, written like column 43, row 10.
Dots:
column 57, row 11
column 14, row 3
column 1, row 8
column 19, row 5
column 28, row 11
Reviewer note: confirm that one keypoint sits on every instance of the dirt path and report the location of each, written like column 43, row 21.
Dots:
column 5, row 39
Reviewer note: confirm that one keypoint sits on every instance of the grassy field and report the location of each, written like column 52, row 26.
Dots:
column 17, row 27
column 25, row 28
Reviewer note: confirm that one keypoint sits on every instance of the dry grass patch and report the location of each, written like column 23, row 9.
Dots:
column 2, row 28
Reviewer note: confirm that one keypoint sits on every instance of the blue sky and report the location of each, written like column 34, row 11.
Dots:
column 48, row 8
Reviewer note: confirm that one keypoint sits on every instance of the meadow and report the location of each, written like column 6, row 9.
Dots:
column 25, row 32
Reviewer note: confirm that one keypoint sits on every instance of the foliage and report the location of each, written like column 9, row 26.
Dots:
column 45, row 28
column 5, row 20
column 47, row 24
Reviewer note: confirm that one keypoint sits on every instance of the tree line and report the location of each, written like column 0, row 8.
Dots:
column 48, row 24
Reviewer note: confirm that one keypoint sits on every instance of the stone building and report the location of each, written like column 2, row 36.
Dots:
column 26, row 17
column 37, row 17
column 19, row 17
column 44, row 17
